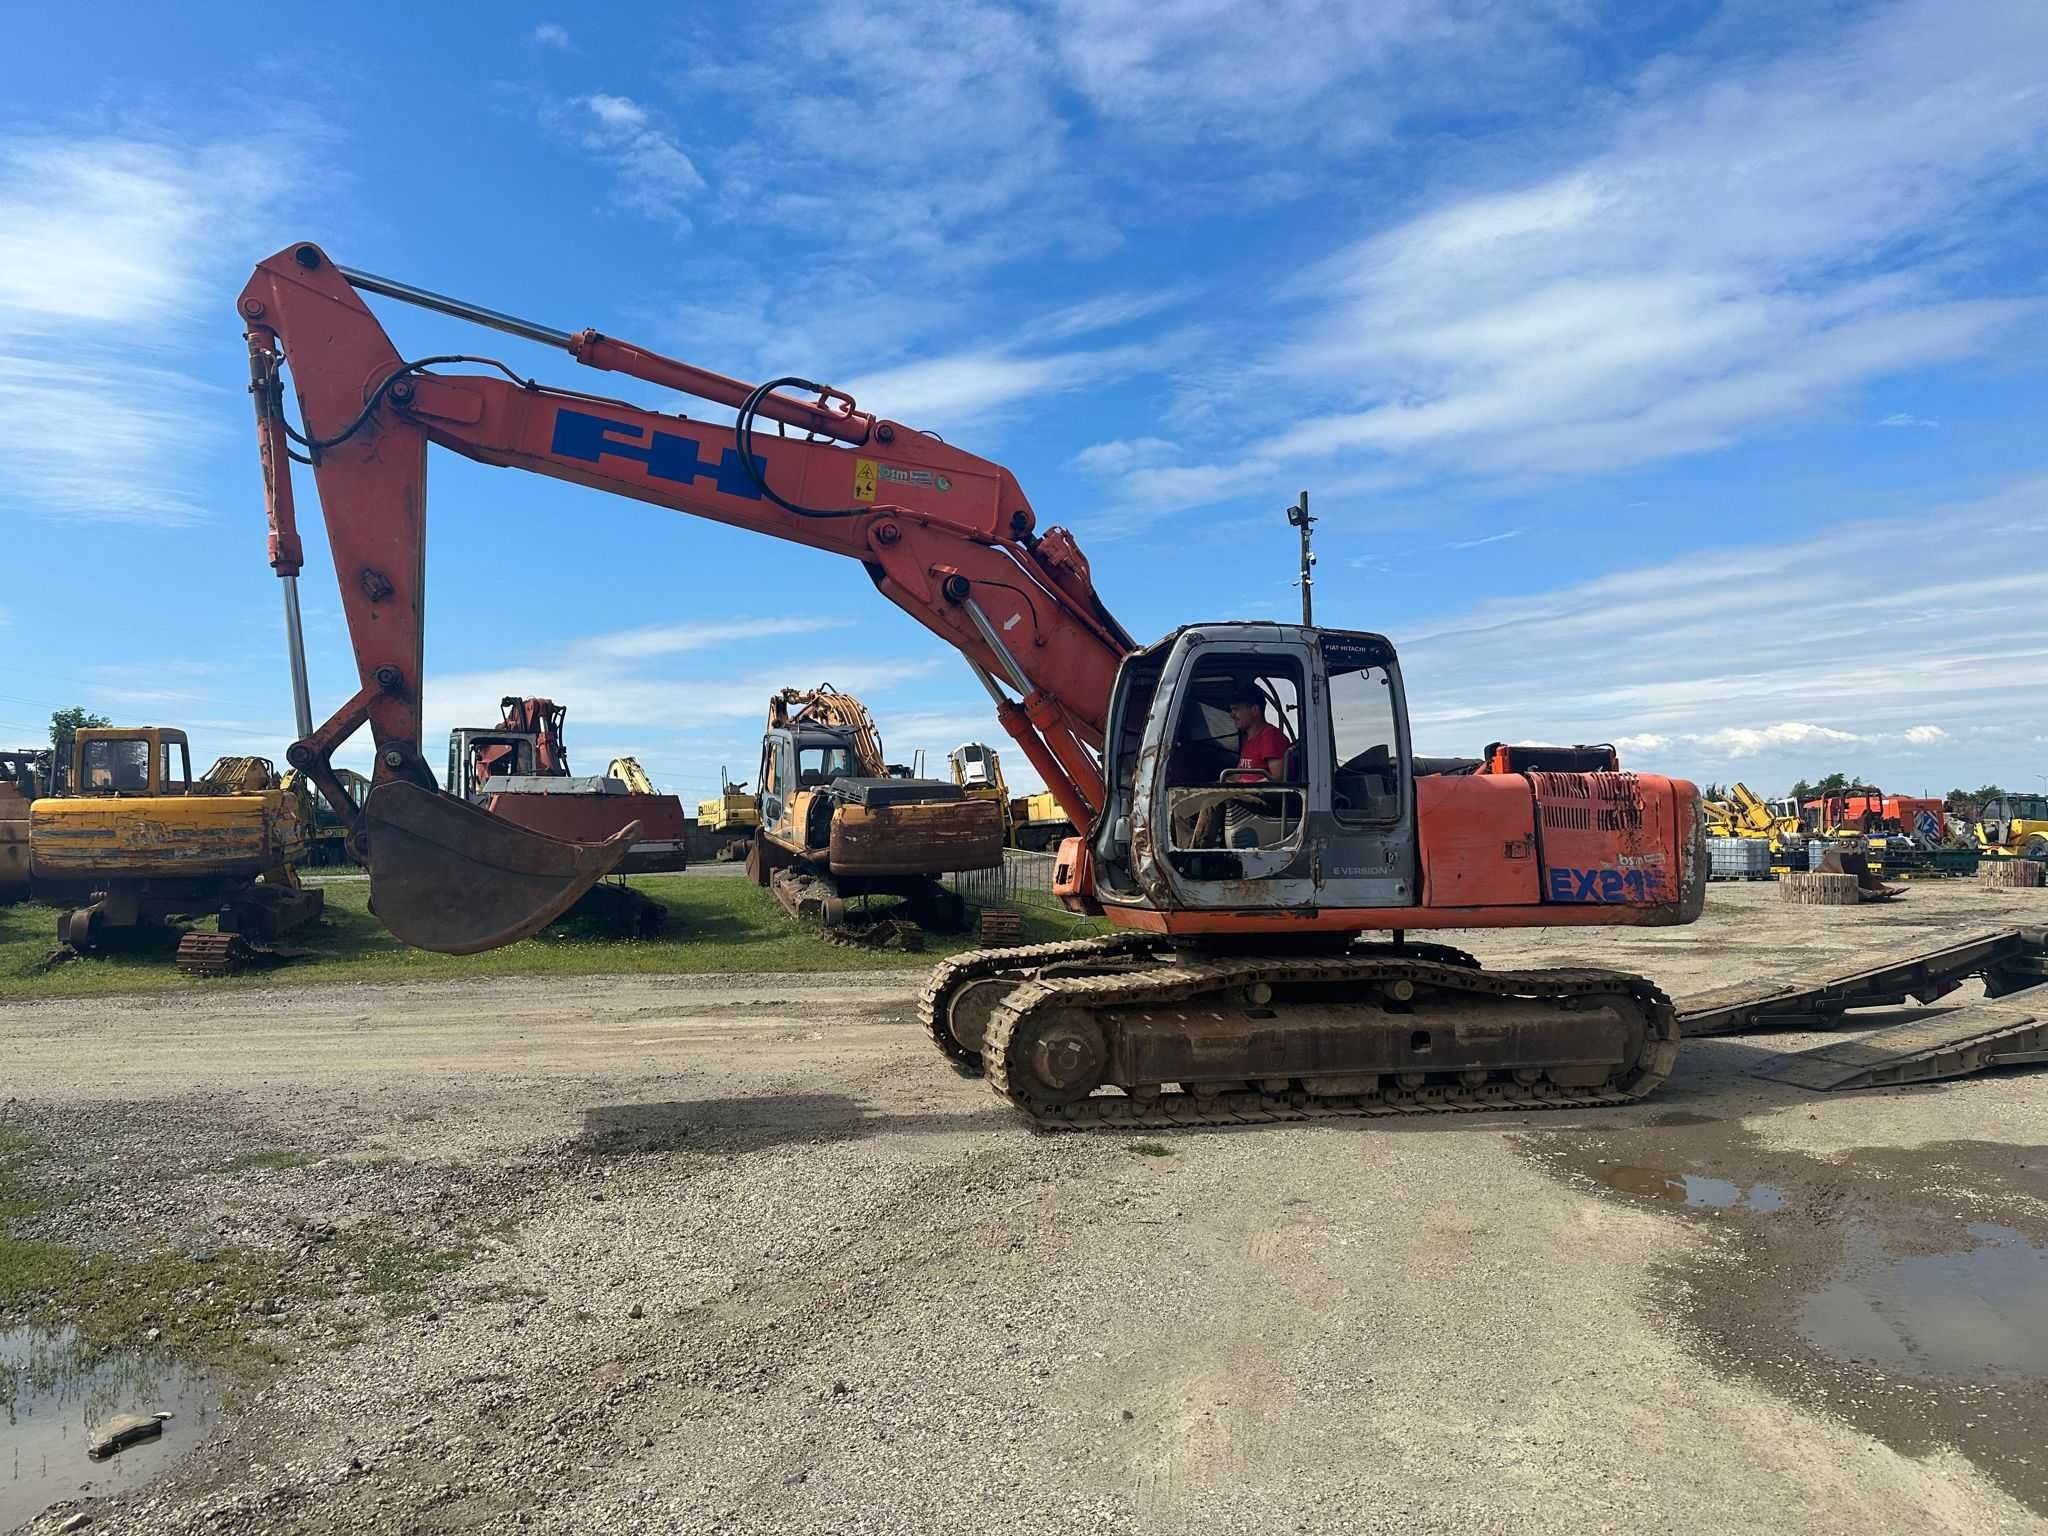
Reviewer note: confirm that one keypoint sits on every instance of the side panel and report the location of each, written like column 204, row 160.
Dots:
column 930, row 839
column 168, row 836
column 1609, row 838
column 1478, row 835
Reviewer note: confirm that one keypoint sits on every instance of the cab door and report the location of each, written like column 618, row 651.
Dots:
column 1213, row 840
column 1365, row 826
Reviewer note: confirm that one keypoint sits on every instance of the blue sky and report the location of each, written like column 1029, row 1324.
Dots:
column 1667, row 373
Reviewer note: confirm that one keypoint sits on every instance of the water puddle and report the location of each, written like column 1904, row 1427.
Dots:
column 1695, row 1189
column 55, row 1396
column 1975, row 1314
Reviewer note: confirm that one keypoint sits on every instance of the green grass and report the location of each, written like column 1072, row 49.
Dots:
column 201, row 1305
column 713, row 925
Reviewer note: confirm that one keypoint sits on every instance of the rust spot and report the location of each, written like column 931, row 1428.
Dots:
column 375, row 584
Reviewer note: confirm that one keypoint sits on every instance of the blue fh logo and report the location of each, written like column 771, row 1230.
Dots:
column 579, row 435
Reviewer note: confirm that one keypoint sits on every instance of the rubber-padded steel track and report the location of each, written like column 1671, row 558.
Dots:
column 1187, row 980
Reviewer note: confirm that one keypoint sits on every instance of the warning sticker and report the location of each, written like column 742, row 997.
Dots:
column 863, row 479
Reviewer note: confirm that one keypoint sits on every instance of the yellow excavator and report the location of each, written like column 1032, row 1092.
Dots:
column 136, row 839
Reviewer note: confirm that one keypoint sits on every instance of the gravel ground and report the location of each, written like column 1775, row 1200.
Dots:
column 741, row 1254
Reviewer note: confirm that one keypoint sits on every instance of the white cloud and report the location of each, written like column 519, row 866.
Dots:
column 675, row 639
column 653, row 174
column 1901, row 419
column 961, row 388
column 1749, row 741
column 1109, row 311
column 551, row 34
column 1740, row 251
column 1122, row 456
column 1780, row 656
column 1336, row 75
column 1648, row 741
column 111, row 250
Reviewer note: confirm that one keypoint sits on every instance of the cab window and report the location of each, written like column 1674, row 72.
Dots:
column 818, row 766
column 1365, row 745
column 121, row 766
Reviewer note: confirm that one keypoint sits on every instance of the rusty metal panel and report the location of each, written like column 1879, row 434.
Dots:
column 166, row 836
column 929, row 839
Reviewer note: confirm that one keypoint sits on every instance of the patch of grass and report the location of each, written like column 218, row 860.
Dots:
column 714, row 924
column 1149, row 1149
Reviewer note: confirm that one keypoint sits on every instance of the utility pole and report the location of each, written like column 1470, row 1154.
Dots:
column 1298, row 516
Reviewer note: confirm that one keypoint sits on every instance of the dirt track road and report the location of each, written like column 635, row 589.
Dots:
column 871, row 1301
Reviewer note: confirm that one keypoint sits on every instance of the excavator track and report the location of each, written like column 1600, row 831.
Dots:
column 1075, row 1021
column 1026, row 962
column 978, row 964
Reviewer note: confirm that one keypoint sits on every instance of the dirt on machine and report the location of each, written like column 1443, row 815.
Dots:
column 1253, row 820
column 840, row 823
column 136, row 841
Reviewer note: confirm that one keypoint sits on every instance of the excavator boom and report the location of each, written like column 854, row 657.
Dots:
column 947, row 536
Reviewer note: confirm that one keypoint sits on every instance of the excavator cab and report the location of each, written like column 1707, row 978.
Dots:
column 1189, row 826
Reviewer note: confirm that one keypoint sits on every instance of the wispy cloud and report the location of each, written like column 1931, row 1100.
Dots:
column 677, row 639
column 1778, row 656
column 1491, row 538
column 651, row 172
column 961, row 388
column 1901, row 419
column 109, row 247
column 1743, row 251
column 551, row 34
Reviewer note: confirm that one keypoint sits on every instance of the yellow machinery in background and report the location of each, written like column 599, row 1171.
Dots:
column 2015, row 826
column 21, row 781
column 733, row 816
column 979, row 773
column 1747, row 814
column 137, row 840
column 1036, row 822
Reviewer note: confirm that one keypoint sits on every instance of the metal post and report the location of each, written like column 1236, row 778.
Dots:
column 295, row 650
column 1298, row 516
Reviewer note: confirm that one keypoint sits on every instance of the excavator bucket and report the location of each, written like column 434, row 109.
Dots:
column 448, row 876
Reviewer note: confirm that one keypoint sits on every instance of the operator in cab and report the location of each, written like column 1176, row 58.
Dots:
column 1261, row 744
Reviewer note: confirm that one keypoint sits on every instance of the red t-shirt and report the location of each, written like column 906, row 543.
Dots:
column 1262, row 745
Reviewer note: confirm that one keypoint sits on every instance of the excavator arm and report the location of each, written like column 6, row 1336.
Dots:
column 949, row 537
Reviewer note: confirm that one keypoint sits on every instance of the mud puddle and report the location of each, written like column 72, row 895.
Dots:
column 1905, row 1291
column 56, row 1393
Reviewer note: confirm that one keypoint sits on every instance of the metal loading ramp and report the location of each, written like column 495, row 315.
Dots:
column 1973, row 1039
column 2009, row 1028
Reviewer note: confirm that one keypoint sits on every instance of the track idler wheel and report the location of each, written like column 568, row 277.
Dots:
column 1058, row 1056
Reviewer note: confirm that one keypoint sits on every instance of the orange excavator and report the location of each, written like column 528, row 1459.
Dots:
column 1263, row 900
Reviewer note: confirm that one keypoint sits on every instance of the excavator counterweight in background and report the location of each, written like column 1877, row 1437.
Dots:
column 1240, row 982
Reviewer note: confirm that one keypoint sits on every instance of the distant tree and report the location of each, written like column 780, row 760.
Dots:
column 1715, row 792
column 1833, row 784
column 67, row 723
